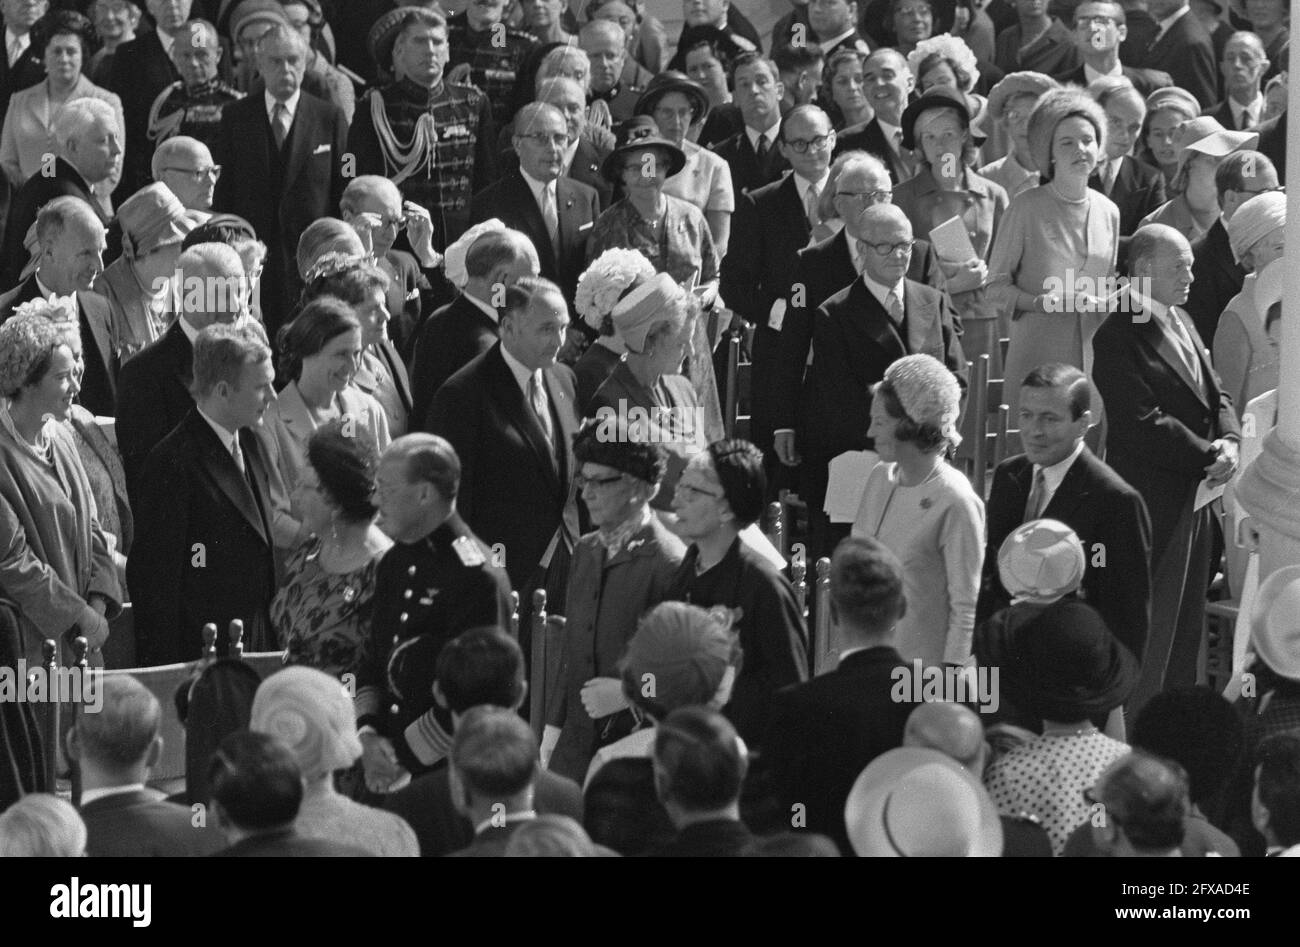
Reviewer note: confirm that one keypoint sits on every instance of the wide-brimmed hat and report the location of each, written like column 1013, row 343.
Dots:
column 1018, row 83
column 152, row 217
column 253, row 11
column 673, row 81
column 1041, row 561
column 383, row 35
column 1076, row 668
column 1204, row 135
column 636, row 134
column 940, row 97
column 1275, row 622
column 914, row 802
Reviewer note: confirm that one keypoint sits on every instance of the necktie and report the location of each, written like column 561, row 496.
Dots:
column 1037, row 493
column 238, row 454
column 549, row 214
column 1247, row 119
column 15, row 50
column 537, row 395
column 280, row 124
column 810, row 205
column 895, row 307
column 762, row 151
column 1186, row 347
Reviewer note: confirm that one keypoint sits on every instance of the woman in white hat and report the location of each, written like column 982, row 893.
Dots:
column 925, row 510
column 1246, row 360
column 610, row 277
column 1201, row 144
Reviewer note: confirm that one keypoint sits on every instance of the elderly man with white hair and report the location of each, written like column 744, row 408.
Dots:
column 193, row 104
column 87, row 149
column 185, row 165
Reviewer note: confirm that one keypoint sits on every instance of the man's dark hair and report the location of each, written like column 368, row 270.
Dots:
column 60, row 22
column 1197, row 728
column 698, row 759
column 256, row 780
column 1057, row 375
column 1231, row 174
column 1146, row 796
column 866, row 584
column 739, row 465
column 1277, row 780
column 520, row 296
column 796, row 58
column 481, row 666
column 748, row 59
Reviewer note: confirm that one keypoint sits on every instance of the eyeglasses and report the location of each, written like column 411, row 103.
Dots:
column 885, row 249
column 211, row 173
column 696, row 491
column 876, row 197
column 802, row 145
column 394, row 223
column 582, row 481
column 1084, row 22
column 543, row 139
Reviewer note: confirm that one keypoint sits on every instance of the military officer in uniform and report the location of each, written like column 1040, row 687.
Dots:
column 193, row 105
column 437, row 581
column 488, row 53
column 616, row 78
column 431, row 137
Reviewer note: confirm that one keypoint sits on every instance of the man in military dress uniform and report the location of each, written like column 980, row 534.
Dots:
column 432, row 138
column 437, row 581
column 193, row 105
column 487, row 53
column 616, row 78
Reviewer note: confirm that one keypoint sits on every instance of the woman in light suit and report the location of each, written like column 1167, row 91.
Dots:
column 63, row 36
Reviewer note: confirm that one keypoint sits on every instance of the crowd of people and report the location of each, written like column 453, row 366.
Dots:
column 346, row 319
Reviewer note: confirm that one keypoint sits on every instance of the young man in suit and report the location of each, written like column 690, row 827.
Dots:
column 142, row 68
column 114, row 750
column 467, row 327
column 493, row 771
column 555, row 212
column 1172, row 429
column 1215, row 271
column 71, row 246
column 1243, row 67
column 826, row 411
column 1099, row 29
column 889, row 84
column 1082, row 492
column 86, row 150
column 770, row 226
column 203, row 542
column 281, row 155
column 1135, row 187
column 154, row 385
column 825, row 731
column 480, row 667
column 510, row 414
column 1183, row 49
column 752, row 153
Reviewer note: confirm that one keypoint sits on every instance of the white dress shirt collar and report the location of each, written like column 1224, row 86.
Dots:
column 489, row 310
column 290, row 104
column 1256, row 107
column 1053, row 475
column 191, row 333
column 1090, row 74
column 507, row 818
column 855, row 255
column 801, row 184
column 569, row 154
column 881, row 291
column 769, row 133
column 90, row 795
column 536, row 187
column 891, row 133
column 226, row 436
column 830, row 44
column 167, row 42
column 44, row 290
column 24, row 40
column 1169, row 21
column 521, row 372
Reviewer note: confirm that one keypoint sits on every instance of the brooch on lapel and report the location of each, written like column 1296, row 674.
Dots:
column 634, row 544
column 926, row 503
column 349, row 595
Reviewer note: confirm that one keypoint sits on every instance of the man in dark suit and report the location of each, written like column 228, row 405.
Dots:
column 752, row 154
column 86, row 149
column 114, row 749
column 203, row 543
column 1135, row 187
column 281, row 155
column 1172, row 430
column 142, row 68
column 1082, row 492
column 1243, row 67
column 811, row 405
column 1272, row 142
column 482, row 666
column 889, row 83
column 492, row 774
column 71, row 244
column 825, row 731
column 584, row 156
column 1183, row 49
column 1215, row 271
column 699, row 766
column 769, row 228
column 467, row 327
column 556, row 213
column 510, row 414
column 154, row 385
column 1099, row 29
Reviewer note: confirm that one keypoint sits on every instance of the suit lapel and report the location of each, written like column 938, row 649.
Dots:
column 397, row 369
column 97, row 318
column 534, row 225
column 510, row 398
column 793, row 212
column 922, row 319
column 1155, row 337
column 872, row 320
column 221, row 468
column 1074, row 489
column 841, row 261
column 183, row 353
column 565, row 416
column 299, row 140
column 257, row 470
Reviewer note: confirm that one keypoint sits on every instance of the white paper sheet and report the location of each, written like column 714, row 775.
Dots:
column 848, row 479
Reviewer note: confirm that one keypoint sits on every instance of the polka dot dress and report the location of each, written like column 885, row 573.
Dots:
column 1046, row 777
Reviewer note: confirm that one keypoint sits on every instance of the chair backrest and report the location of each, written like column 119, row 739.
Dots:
column 220, row 703
column 978, row 409
column 547, row 654
column 729, row 410
column 774, row 526
column 826, row 655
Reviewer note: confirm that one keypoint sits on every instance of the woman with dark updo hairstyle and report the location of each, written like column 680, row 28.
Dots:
column 322, row 611
column 319, row 354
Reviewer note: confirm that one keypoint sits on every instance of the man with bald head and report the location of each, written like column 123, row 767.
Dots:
column 185, row 166
column 1172, row 429
column 823, row 732
column 154, row 386
column 192, row 105
column 70, row 252
column 889, row 82
column 555, row 212
column 281, row 153
column 616, row 78
column 956, row 731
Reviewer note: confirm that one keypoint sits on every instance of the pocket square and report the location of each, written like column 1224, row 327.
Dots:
column 322, row 149
column 587, row 226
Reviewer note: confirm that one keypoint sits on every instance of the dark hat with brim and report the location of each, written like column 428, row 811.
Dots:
column 938, row 98
column 672, row 81
column 637, row 134
column 383, row 35
column 1077, row 668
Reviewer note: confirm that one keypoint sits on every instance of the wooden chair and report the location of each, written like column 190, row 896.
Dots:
column 774, row 526
column 1216, row 657
column 826, row 655
column 977, row 408
column 738, row 384
column 547, row 633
